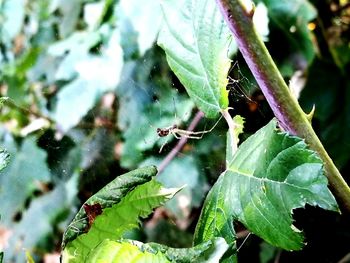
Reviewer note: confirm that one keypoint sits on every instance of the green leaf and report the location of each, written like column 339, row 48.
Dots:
column 42, row 213
column 271, row 174
column 109, row 195
column 196, row 41
column 216, row 218
column 292, row 17
column 95, row 76
column 13, row 13
column 209, row 251
column 239, row 125
column 70, row 10
column 1, row 256
column 115, row 221
column 145, row 19
column 118, row 252
column 21, row 177
column 261, row 21
column 134, row 251
column 4, row 159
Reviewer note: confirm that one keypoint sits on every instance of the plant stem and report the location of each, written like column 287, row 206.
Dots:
column 285, row 107
column 11, row 103
column 231, row 130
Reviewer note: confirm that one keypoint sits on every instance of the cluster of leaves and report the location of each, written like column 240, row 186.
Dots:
column 87, row 88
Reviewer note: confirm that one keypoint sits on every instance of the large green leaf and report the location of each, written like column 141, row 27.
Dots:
column 124, row 216
column 271, row 174
column 118, row 252
column 144, row 19
column 134, row 251
column 22, row 176
column 209, row 251
column 109, row 195
column 196, row 40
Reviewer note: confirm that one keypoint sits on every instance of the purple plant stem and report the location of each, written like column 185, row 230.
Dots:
column 285, row 107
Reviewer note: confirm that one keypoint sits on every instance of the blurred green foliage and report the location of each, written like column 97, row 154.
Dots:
column 88, row 87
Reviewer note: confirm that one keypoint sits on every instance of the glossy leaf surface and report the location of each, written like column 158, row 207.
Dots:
column 196, row 40
column 124, row 216
column 271, row 174
column 134, row 251
column 109, row 195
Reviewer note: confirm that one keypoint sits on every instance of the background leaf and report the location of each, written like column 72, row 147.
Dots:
column 144, row 19
column 45, row 211
column 4, row 159
column 13, row 11
column 260, row 188
column 210, row 251
column 292, row 18
column 196, row 40
column 87, row 88
column 140, row 115
column 115, row 221
column 133, row 251
column 70, row 11
column 22, row 177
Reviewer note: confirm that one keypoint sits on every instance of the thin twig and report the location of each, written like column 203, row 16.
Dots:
column 231, row 125
column 199, row 115
column 278, row 256
column 11, row 103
